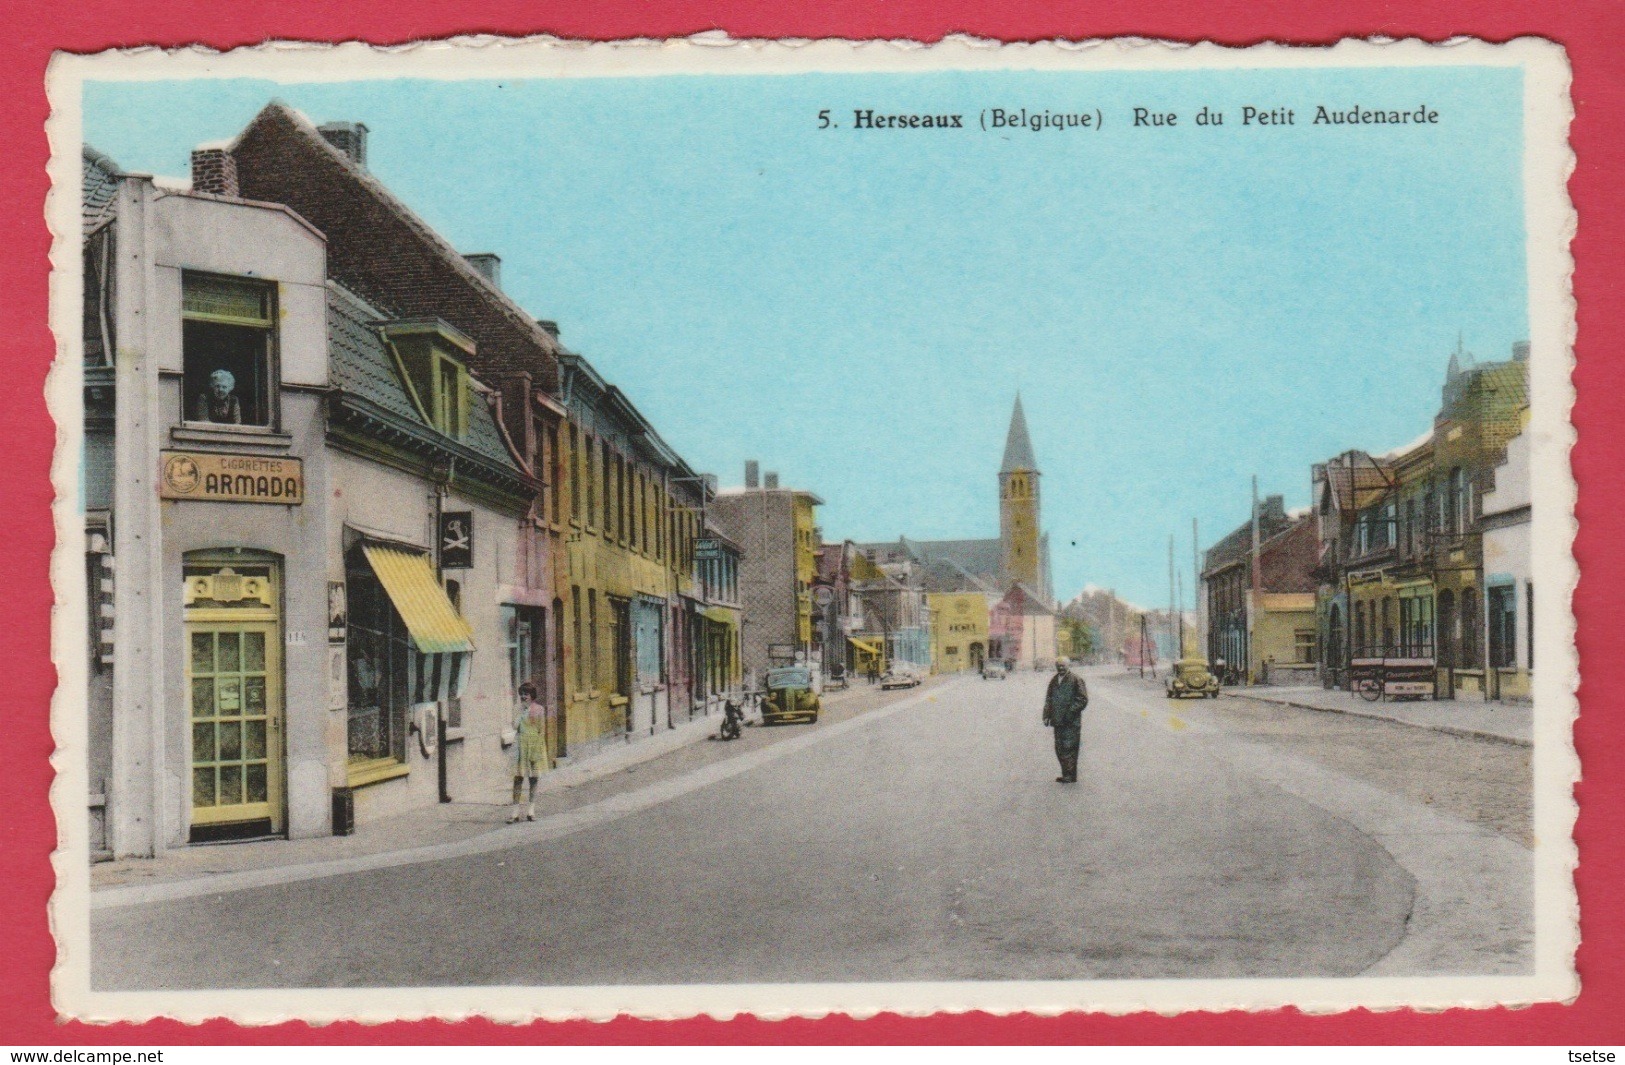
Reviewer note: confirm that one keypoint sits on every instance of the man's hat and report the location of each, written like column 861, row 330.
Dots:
column 1062, row 663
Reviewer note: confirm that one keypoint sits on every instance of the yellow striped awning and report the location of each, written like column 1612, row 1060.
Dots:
column 866, row 648
column 435, row 624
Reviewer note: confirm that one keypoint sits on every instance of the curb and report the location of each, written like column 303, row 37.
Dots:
column 1451, row 730
column 500, row 838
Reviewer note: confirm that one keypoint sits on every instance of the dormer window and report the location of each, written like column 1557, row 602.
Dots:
column 228, row 350
column 431, row 356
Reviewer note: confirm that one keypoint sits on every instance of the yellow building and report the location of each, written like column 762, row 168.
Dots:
column 804, row 517
column 628, row 569
column 1283, row 638
column 958, row 630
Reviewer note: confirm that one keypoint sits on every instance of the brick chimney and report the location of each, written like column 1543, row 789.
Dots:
column 214, row 171
column 1520, row 351
column 348, row 137
column 550, row 327
column 770, row 481
column 487, row 265
column 752, row 474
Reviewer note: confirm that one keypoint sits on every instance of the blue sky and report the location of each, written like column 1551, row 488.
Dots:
column 1181, row 309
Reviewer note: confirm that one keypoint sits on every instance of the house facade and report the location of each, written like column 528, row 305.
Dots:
column 1402, row 575
column 777, row 533
column 284, row 642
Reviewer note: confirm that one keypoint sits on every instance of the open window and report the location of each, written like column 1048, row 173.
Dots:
column 228, row 350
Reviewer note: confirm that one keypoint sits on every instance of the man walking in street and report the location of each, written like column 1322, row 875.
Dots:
column 1064, row 702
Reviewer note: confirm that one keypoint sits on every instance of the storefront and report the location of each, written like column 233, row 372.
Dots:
column 286, row 616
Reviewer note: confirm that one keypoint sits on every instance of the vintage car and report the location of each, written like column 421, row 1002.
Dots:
column 899, row 677
column 788, row 696
column 995, row 669
column 1191, row 677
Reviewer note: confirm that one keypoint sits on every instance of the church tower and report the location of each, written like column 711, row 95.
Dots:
column 1018, row 507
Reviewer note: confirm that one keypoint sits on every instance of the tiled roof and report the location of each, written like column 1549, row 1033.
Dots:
column 1357, row 480
column 361, row 364
column 1510, row 379
column 945, row 575
column 381, row 248
column 983, row 558
column 99, row 186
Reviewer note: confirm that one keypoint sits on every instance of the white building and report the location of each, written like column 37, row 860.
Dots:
column 1509, row 586
column 281, row 631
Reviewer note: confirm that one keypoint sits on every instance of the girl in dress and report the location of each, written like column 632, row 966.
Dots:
column 530, row 725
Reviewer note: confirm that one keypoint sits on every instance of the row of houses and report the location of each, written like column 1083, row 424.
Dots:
column 946, row 606
column 343, row 496
column 1411, row 568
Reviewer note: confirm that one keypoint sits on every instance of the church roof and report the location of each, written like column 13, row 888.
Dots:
column 982, row 558
column 945, row 575
column 1018, row 446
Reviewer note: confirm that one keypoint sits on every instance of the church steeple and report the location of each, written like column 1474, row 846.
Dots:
column 1018, row 446
column 1018, row 506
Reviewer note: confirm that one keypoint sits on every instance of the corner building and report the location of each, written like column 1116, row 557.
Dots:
column 282, row 641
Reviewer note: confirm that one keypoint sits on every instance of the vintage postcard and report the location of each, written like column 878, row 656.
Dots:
column 560, row 530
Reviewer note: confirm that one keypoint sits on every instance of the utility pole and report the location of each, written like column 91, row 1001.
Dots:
column 1196, row 591
column 1172, row 617
column 1179, row 613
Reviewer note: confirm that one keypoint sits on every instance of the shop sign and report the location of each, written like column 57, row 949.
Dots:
column 206, row 476
column 707, row 550
column 457, row 539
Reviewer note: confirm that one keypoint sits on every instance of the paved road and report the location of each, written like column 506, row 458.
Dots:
column 925, row 841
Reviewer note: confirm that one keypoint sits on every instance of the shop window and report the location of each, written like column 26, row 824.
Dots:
column 228, row 350
column 1502, row 605
column 378, row 650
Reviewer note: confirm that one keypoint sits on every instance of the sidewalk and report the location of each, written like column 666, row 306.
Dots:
column 1502, row 722
column 482, row 811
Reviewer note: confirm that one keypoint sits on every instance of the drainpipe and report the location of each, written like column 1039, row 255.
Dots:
column 440, row 488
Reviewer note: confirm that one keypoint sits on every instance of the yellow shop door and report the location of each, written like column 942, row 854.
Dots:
column 234, row 685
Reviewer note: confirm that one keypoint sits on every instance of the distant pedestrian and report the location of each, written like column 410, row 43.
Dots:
column 531, row 754
column 872, row 670
column 1064, row 702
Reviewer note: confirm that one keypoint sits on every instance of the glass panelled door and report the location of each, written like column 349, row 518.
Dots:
column 234, row 699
